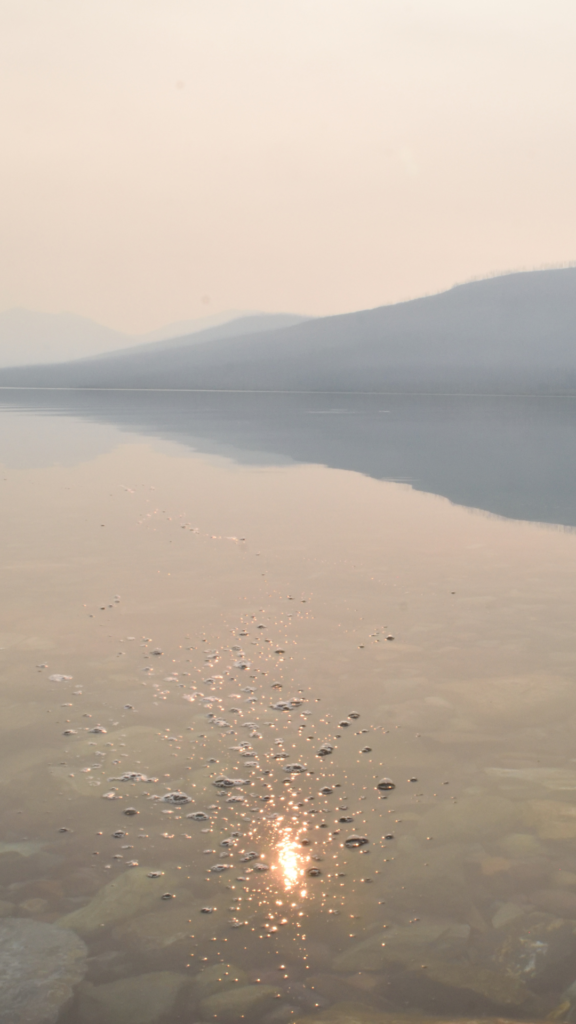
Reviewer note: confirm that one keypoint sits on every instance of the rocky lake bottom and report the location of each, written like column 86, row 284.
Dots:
column 279, row 743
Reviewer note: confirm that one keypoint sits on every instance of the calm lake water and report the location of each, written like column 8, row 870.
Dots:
column 225, row 620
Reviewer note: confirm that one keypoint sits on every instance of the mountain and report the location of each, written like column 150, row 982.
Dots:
column 512, row 333
column 183, row 327
column 28, row 337
column 254, row 323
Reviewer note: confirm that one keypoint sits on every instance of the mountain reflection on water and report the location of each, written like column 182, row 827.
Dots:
column 512, row 456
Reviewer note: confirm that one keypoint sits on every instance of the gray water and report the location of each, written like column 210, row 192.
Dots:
column 173, row 568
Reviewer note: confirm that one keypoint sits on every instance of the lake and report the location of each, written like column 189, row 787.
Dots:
column 288, row 706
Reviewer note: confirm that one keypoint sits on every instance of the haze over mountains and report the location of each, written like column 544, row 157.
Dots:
column 512, row 333
column 28, row 337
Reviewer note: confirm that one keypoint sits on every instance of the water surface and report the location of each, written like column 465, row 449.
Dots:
column 175, row 597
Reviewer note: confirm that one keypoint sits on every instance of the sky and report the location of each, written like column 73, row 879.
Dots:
column 169, row 159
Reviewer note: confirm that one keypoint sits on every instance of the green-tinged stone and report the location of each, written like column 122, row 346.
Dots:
column 552, row 819
column 521, row 845
column 218, row 978
column 506, row 913
column 161, row 928
column 236, row 1002
column 406, row 945
column 538, row 946
column 499, row 988
column 469, row 820
column 141, row 999
column 549, row 778
column 356, row 1013
column 27, row 848
column 129, row 894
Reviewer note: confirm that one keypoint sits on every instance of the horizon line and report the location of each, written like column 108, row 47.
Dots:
column 255, row 391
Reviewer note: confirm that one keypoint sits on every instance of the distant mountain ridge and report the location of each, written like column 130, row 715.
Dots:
column 513, row 333
column 28, row 337
column 255, row 323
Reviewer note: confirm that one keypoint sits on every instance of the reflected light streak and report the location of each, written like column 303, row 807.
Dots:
column 290, row 860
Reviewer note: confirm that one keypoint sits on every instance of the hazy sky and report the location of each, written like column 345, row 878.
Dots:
column 164, row 159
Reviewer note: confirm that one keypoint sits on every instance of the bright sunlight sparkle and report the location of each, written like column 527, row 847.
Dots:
column 290, row 860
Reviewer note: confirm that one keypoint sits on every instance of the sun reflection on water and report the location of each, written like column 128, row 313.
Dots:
column 290, row 860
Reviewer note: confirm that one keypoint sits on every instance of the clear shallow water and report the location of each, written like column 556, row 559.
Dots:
column 261, row 583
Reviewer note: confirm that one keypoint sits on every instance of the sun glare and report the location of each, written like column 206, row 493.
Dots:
column 290, row 860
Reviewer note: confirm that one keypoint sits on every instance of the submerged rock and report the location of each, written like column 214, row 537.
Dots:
column 237, row 1002
column 555, row 901
column 498, row 989
column 539, row 948
column 218, row 978
column 521, row 845
column 469, row 820
column 39, row 965
column 129, row 894
column 356, row 1013
column 161, row 928
column 553, row 819
column 404, row 944
column 352, row 1013
column 506, row 913
column 26, row 848
column 550, row 778
column 141, row 999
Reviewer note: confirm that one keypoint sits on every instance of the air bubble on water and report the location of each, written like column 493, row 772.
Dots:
column 176, row 798
column 352, row 842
